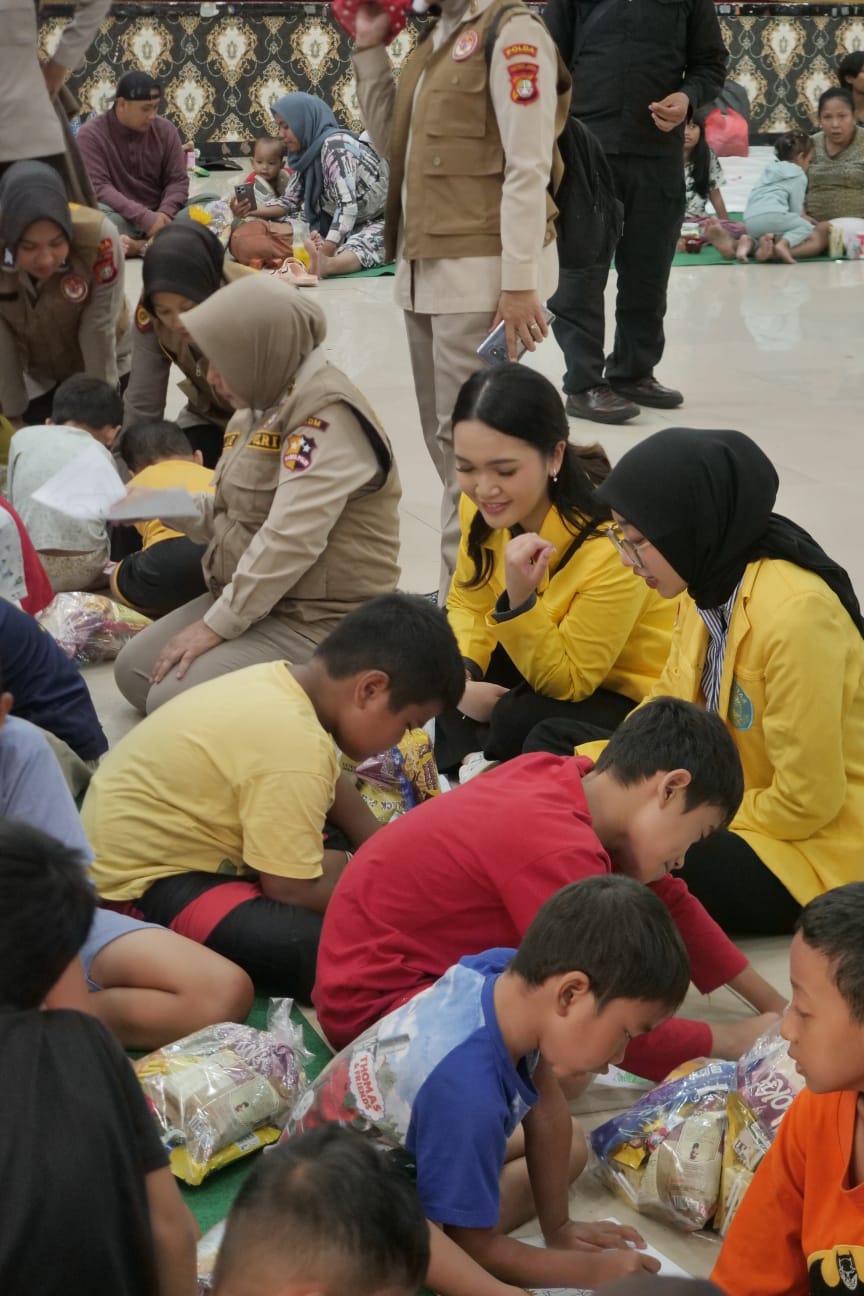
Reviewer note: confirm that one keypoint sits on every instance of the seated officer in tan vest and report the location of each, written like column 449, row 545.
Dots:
column 470, row 136
column 62, row 308
column 184, row 265
column 304, row 524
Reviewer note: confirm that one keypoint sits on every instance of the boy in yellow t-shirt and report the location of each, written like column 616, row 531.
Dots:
column 165, row 570
column 210, row 814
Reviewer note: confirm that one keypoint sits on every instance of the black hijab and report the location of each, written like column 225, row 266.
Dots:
column 183, row 258
column 704, row 499
column 31, row 191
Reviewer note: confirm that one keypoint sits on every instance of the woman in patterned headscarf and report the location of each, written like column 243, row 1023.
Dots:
column 338, row 186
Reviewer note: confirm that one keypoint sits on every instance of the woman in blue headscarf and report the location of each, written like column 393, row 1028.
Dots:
column 338, row 185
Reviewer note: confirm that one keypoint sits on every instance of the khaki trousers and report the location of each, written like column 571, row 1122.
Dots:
column 273, row 639
column 443, row 352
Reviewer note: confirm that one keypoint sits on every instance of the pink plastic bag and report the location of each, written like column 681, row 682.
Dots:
column 727, row 133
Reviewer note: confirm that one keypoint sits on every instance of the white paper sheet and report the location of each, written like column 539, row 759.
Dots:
column 667, row 1267
column 90, row 487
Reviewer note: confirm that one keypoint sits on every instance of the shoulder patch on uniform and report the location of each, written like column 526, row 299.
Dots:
column 262, row 440
column 526, row 51
column 105, row 265
column 143, row 321
column 465, row 45
column 523, row 82
column 229, row 439
column 74, row 288
column 299, row 449
column 317, row 424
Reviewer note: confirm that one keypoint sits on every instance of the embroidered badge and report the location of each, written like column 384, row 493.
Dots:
column 143, row 322
column 229, row 439
column 466, row 45
column 317, row 424
column 526, row 51
column 74, row 288
column 740, row 708
column 523, row 82
column 105, row 266
column 299, row 450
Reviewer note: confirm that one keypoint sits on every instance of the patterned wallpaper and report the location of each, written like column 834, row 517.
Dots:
column 221, row 68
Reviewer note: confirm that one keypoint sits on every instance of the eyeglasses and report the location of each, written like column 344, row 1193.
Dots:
column 629, row 549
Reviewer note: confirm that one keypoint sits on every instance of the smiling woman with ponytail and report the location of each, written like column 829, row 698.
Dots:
column 545, row 623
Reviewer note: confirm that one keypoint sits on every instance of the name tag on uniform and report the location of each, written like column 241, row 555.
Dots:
column 266, row 441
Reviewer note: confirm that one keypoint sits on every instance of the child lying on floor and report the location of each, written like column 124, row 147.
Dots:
column 800, row 1228
column 467, row 1077
column 90, row 1203
column 326, row 1213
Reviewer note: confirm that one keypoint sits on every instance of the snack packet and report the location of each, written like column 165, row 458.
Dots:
column 399, row 779
column 746, row 1144
column 768, row 1081
column 220, row 1094
column 663, row 1156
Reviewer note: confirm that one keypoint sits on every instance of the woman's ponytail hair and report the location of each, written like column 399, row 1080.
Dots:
column 521, row 403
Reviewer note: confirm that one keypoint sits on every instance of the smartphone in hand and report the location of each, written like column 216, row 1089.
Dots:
column 245, row 193
column 493, row 349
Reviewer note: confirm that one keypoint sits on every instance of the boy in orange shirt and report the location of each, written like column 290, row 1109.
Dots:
column 800, row 1229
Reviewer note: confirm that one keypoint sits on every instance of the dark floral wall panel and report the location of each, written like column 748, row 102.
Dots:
column 221, row 67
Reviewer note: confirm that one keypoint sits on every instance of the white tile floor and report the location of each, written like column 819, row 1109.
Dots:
column 774, row 351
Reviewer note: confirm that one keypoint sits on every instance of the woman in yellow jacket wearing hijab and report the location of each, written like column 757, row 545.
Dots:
column 547, row 622
column 769, row 635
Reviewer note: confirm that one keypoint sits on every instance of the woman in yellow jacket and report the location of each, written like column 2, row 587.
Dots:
column 547, row 622
column 769, row 635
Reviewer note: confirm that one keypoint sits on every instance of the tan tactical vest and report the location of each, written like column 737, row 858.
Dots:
column 455, row 172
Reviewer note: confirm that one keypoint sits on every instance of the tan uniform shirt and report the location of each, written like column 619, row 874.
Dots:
column 305, row 520
column 28, row 123
column 439, row 286
column 66, row 325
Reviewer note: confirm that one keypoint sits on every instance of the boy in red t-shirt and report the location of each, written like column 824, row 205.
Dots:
column 469, row 870
column 800, row 1229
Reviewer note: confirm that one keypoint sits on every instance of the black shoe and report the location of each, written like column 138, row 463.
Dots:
column 601, row 405
column 648, row 391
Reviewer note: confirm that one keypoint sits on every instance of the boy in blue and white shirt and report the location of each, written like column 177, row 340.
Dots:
column 454, row 1073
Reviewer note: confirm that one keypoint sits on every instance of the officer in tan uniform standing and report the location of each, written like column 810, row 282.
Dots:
column 185, row 264
column 471, row 139
column 304, row 523
column 62, row 307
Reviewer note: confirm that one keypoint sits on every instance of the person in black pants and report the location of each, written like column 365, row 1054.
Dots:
column 639, row 68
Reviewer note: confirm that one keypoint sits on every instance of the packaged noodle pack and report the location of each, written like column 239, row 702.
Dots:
column 223, row 1092
column 767, row 1084
column 664, row 1155
column 399, row 779
column 90, row 627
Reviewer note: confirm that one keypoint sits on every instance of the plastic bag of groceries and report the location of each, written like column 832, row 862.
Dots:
column 224, row 1091
column 90, row 627
column 663, row 1155
column 767, row 1084
column 399, row 779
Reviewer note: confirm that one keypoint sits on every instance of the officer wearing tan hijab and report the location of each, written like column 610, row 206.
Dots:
column 304, row 523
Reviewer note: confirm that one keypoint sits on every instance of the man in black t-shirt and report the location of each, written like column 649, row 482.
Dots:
column 89, row 1204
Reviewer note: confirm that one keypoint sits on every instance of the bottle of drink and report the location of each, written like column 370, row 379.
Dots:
column 301, row 234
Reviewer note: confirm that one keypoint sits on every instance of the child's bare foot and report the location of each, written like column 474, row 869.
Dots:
column 783, row 252
column 731, row 1039
column 132, row 247
column 765, row 250
column 719, row 238
column 744, row 248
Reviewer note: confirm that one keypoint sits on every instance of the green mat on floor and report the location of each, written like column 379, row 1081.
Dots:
column 375, row 273
column 709, row 256
column 211, row 1201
